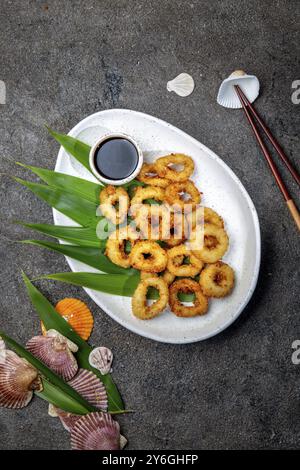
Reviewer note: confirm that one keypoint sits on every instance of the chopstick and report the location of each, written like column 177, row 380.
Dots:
column 289, row 201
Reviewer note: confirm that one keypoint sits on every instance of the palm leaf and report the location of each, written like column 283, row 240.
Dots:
column 84, row 188
column 83, row 236
column 74, row 147
column 91, row 256
column 52, row 320
column 115, row 284
column 79, row 210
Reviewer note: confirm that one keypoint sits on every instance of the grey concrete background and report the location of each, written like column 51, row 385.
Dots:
column 62, row 61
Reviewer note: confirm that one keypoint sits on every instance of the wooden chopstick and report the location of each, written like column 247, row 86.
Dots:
column 272, row 139
column 289, row 201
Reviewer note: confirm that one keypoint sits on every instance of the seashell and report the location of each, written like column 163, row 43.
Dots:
column 123, row 442
column 90, row 387
column 18, row 380
column 101, row 358
column 78, row 315
column 95, row 431
column 54, row 351
column 68, row 420
column 52, row 411
column 227, row 96
column 55, row 334
column 2, row 351
column 182, row 85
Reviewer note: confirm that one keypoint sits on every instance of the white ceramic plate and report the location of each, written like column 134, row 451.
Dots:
column 222, row 191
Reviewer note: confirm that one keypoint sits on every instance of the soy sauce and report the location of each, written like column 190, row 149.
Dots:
column 116, row 158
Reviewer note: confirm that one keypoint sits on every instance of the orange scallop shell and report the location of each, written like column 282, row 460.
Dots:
column 77, row 314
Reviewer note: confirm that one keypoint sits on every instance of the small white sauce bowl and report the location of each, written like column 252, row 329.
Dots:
column 117, row 182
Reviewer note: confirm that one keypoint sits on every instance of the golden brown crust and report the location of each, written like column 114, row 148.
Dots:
column 217, row 280
column 187, row 286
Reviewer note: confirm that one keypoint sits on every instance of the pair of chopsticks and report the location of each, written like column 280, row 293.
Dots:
column 248, row 108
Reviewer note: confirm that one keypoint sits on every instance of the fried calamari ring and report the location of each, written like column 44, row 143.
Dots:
column 175, row 229
column 205, row 215
column 139, row 300
column 175, row 195
column 217, row 280
column 176, row 258
column 141, row 194
column 115, row 245
column 187, row 286
column 114, row 204
column 144, row 275
column 212, row 246
column 148, row 256
column 148, row 175
column 151, row 220
column 166, row 167
column 168, row 277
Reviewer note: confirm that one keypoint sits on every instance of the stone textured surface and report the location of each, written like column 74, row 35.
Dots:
column 64, row 60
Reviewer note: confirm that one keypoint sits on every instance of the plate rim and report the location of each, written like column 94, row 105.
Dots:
column 251, row 205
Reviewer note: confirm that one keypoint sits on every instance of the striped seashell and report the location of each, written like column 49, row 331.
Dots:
column 101, row 358
column 54, row 351
column 78, row 315
column 95, row 431
column 18, row 380
column 90, row 387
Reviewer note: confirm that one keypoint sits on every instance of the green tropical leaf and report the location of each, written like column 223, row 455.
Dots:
column 79, row 210
column 83, row 236
column 86, row 254
column 52, row 320
column 74, row 147
column 115, row 284
column 84, row 188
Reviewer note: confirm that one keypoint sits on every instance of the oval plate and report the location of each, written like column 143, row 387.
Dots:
column 222, row 191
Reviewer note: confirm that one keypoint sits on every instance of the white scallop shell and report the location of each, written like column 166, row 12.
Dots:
column 55, row 334
column 227, row 95
column 182, row 85
column 2, row 351
column 101, row 358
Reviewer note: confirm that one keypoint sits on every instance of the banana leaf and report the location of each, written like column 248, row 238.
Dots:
column 115, row 284
column 60, row 399
column 84, row 188
column 74, row 147
column 83, row 236
column 67, row 393
column 86, row 254
column 52, row 320
column 80, row 210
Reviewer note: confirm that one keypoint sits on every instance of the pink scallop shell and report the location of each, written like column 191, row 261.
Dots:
column 15, row 391
column 61, row 360
column 96, row 431
column 90, row 387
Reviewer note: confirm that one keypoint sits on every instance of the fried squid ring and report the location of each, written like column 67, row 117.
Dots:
column 187, row 286
column 151, row 220
column 204, row 215
column 148, row 256
column 139, row 300
column 176, row 258
column 175, row 195
column 212, row 246
column 166, row 167
column 175, row 229
column 141, row 194
column 217, row 280
column 168, row 277
column 115, row 245
column 114, row 204
column 148, row 175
